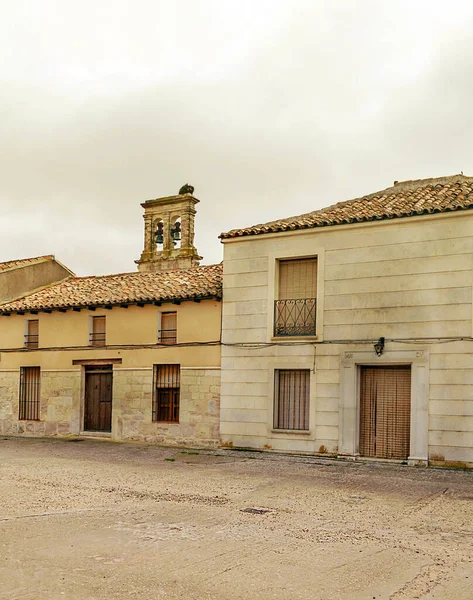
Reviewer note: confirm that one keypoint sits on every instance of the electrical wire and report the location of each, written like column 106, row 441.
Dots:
column 245, row 345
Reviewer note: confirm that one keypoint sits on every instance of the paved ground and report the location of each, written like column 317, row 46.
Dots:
column 96, row 520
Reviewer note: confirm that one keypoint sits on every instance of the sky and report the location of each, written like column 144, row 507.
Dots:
column 269, row 108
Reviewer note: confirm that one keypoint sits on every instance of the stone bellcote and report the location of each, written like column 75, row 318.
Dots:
column 169, row 233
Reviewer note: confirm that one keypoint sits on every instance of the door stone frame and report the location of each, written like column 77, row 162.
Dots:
column 349, row 400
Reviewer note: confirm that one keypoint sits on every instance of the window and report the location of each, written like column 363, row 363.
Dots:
column 295, row 308
column 32, row 333
column 291, row 399
column 166, row 388
column 29, row 393
column 97, row 333
column 168, row 331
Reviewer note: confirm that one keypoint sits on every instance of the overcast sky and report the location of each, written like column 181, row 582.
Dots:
column 269, row 108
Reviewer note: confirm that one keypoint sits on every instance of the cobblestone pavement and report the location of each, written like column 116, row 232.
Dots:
column 97, row 519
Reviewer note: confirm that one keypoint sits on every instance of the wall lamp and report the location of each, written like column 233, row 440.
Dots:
column 379, row 346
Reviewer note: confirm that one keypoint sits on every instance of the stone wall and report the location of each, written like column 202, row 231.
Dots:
column 199, row 409
column 408, row 280
column 59, row 404
column 61, row 398
column 9, row 385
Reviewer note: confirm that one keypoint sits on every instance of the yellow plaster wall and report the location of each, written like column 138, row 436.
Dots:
column 196, row 322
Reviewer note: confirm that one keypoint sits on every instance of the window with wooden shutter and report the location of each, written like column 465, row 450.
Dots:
column 168, row 330
column 291, row 399
column 32, row 333
column 166, row 393
column 296, row 307
column 97, row 335
column 29, row 394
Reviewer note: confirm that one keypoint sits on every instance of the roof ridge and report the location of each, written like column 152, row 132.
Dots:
column 25, row 262
column 144, row 272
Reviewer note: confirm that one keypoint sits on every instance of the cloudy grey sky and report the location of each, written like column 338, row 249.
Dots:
column 270, row 108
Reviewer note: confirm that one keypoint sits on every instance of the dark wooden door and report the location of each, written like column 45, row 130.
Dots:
column 98, row 399
column 385, row 412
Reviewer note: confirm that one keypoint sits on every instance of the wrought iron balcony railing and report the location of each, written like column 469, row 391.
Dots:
column 295, row 317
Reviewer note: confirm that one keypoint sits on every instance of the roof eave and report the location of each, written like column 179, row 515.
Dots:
column 109, row 305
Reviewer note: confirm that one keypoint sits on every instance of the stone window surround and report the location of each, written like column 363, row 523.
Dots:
column 349, row 405
column 302, row 248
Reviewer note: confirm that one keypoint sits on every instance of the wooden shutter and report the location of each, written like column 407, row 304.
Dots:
column 32, row 336
column 291, row 399
column 298, row 278
column 385, row 412
column 168, row 333
column 98, row 331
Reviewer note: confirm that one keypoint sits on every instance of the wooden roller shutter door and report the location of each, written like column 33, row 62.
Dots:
column 385, row 412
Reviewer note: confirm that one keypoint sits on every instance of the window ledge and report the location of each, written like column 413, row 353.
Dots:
column 291, row 431
column 295, row 338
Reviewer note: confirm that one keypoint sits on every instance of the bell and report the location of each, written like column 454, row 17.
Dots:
column 176, row 231
column 159, row 235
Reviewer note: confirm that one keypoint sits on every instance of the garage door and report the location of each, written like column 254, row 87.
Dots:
column 385, row 412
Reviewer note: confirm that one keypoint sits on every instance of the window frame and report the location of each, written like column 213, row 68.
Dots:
column 295, row 316
column 282, row 422
column 303, row 247
column 173, row 398
column 29, row 409
column 31, row 343
column 99, row 342
column 168, row 340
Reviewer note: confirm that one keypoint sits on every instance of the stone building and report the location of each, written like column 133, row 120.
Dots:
column 130, row 356
column 348, row 331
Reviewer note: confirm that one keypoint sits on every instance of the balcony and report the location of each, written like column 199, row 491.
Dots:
column 295, row 317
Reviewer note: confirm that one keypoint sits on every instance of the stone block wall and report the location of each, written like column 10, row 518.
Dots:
column 59, row 404
column 9, row 394
column 199, row 409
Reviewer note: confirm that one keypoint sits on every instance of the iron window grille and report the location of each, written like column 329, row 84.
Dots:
column 295, row 317
column 166, row 393
column 29, row 407
column 291, row 399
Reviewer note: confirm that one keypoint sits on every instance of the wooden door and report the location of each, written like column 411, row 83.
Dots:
column 98, row 399
column 385, row 412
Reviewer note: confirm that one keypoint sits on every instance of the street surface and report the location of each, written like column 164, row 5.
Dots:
column 94, row 520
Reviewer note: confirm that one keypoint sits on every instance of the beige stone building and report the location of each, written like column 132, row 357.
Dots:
column 132, row 356
column 348, row 331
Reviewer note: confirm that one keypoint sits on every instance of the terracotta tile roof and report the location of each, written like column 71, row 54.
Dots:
column 24, row 262
column 403, row 199
column 124, row 288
